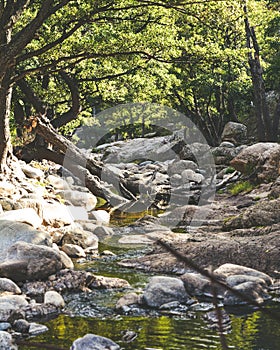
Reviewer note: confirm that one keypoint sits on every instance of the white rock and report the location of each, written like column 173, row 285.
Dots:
column 77, row 213
column 6, row 341
column 6, row 189
column 26, row 215
column 190, row 175
column 77, row 198
column 32, row 172
column 56, row 214
column 101, row 216
column 54, row 298
column 57, row 182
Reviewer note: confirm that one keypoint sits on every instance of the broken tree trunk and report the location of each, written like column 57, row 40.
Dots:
column 89, row 170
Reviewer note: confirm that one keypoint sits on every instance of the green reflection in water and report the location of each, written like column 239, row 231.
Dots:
column 251, row 332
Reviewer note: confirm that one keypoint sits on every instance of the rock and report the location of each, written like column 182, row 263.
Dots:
column 67, row 263
column 227, row 270
column 54, row 298
column 5, row 326
column 34, row 203
column 108, row 282
column 224, row 154
column 103, row 231
column 128, row 299
column 30, row 171
column 178, row 166
column 77, row 213
column 101, row 216
column 7, row 285
column 80, row 237
column 235, row 280
column 57, row 182
column 36, row 329
column 196, row 152
column 6, row 341
column 161, row 290
column 10, row 303
column 27, row 215
column 26, row 261
column 264, row 213
column 56, row 214
column 261, row 159
column 6, row 189
column 21, row 326
column 235, row 133
column 190, row 175
column 158, row 149
column 251, row 290
column 12, row 232
column 77, row 198
column 196, row 284
column 73, row 250
column 94, row 342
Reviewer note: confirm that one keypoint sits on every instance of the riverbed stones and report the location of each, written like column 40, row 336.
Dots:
column 227, row 270
column 73, row 250
column 10, row 303
column 29, row 261
column 79, row 198
column 54, row 298
column 101, row 216
column 161, row 290
column 103, row 282
column 127, row 300
column 7, row 285
column 94, row 342
column 179, row 165
column 26, row 215
column 12, row 232
column 80, row 237
column 261, row 160
column 6, row 341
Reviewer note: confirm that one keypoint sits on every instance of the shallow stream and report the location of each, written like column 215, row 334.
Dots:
column 94, row 313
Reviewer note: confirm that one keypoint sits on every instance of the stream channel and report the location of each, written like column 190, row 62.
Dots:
column 94, row 312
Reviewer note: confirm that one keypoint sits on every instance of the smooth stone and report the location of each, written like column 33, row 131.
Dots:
column 4, row 326
column 10, row 303
column 7, row 285
column 26, row 215
column 77, row 213
column 6, row 341
column 101, row 216
column 31, row 172
column 161, row 290
column 80, row 237
column 94, row 342
column 73, row 250
column 21, row 326
column 56, row 214
column 128, row 299
column 57, row 182
column 54, row 298
column 36, row 328
column 78, row 198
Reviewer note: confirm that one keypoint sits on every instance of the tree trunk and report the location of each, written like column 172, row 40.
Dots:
column 264, row 124
column 5, row 136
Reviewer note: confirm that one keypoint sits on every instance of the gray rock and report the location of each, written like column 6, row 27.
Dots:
column 6, row 341
column 128, row 299
column 227, row 270
column 190, row 175
column 251, row 290
column 94, row 342
column 12, row 232
column 21, row 326
column 7, row 285
column 235, row 280
column 73, row 250
column 4, row 326
column 10, row 303
column 80, row 237
column 36, row 328
column 57, row 182
column 235, row 133
column 196, row 284
column 56, row 214
column 161, row 290
column 29, row 261
column 177, row 166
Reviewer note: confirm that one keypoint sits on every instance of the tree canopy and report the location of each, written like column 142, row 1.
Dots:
column 71, row 59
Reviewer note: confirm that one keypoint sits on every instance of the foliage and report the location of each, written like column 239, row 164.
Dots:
column 240, row 187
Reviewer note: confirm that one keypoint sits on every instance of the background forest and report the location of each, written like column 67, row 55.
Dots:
column 214, row 61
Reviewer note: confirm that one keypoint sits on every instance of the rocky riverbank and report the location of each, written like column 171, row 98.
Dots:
column 48, row 222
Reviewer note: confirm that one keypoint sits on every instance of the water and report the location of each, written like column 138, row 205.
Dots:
column 94, row 313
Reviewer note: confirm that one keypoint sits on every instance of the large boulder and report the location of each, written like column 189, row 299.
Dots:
column 78, row 198
column 261, row 159
column 26, row 261
column 94, row 342
column 81, row 238
column 12, row 232
column 235, row 133
column 162, row 290
column 158, row 149
column 10, row 303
